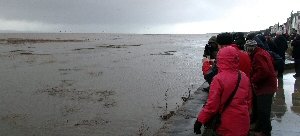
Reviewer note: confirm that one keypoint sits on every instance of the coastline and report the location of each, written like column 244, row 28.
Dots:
column 182, row 123
column 96, row 85
column 84, row 86
column 184, row 118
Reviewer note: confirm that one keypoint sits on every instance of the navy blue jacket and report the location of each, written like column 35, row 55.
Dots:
column 261, row 44
column 263, row 40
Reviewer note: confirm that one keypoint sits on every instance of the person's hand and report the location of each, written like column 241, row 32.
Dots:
column 212, row 61
column 205, row 59
column 197, row 127
column 207, row 47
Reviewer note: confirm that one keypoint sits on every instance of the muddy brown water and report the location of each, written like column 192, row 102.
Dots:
column 95, row 84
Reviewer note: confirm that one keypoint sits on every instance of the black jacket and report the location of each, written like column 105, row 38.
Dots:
column 281, row 43
column 296, row 48
column 240, row 42
column 273, row 47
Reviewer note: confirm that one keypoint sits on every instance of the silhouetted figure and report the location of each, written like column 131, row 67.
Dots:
column 240, row 40
column 273, row 47
column 296, row 55
column 281, row 43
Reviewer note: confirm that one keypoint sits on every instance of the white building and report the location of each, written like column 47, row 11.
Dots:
column 292, row 25
column 296, row 22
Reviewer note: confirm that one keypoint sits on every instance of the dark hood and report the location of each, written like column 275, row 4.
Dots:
column 262, row 38
column 281, row 38
column 259, row 42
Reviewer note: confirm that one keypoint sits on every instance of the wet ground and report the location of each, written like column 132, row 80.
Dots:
column 285, row 111
column 286, row 106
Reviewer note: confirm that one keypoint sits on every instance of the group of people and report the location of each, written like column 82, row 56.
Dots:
column 253, row 57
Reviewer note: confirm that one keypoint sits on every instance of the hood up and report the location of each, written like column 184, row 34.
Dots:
column 228, row 59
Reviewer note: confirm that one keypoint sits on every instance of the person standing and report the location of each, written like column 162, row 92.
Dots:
column 263, row 40
column 240, row 40
column 211, row 49
column 224, row 40
column 210, row 52
column 235, row 118
column 296, row 55
column 281, row 43
column 264, row 82
column 253, row 36
column 273, row 47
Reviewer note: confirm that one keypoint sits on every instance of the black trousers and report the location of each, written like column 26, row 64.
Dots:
column 297, row 66
column 281, row 69
column 264, row 103
column 254, row 113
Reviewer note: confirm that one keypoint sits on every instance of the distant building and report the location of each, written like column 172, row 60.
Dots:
column 296, row 22
column 292, row 25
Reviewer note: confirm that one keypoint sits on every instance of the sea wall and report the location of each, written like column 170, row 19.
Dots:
column 182, row 121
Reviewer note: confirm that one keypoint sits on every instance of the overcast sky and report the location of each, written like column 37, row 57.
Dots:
column 143, row 16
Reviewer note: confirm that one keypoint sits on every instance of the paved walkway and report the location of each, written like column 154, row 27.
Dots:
column 285, row 111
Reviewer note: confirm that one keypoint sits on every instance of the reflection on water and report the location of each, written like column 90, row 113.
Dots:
column 279, row 106
column 296, row 97
column 287, row 98
column 285, row 108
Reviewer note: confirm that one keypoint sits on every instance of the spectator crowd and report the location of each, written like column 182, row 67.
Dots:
column 252, row 63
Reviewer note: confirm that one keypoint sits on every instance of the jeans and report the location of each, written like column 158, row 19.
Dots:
column 264, row 103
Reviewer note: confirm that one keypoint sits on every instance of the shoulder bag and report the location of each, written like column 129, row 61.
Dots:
column 215, row 121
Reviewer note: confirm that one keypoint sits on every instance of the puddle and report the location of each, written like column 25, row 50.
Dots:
column 286, row 106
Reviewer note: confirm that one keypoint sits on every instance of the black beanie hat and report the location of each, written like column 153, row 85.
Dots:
column 250, row 36
column 224, row 39
column 240, row 34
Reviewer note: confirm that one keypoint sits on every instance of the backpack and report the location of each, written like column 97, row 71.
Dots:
column 278, row 61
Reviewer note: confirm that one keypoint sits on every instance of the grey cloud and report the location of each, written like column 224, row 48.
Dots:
column 111, row 16
column 108, row 12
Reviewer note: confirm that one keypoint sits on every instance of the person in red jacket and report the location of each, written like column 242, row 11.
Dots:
column 235, row 118
column 264, row 82
column 223, row 40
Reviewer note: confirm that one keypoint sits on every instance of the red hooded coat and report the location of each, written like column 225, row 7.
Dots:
column 235, row 118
